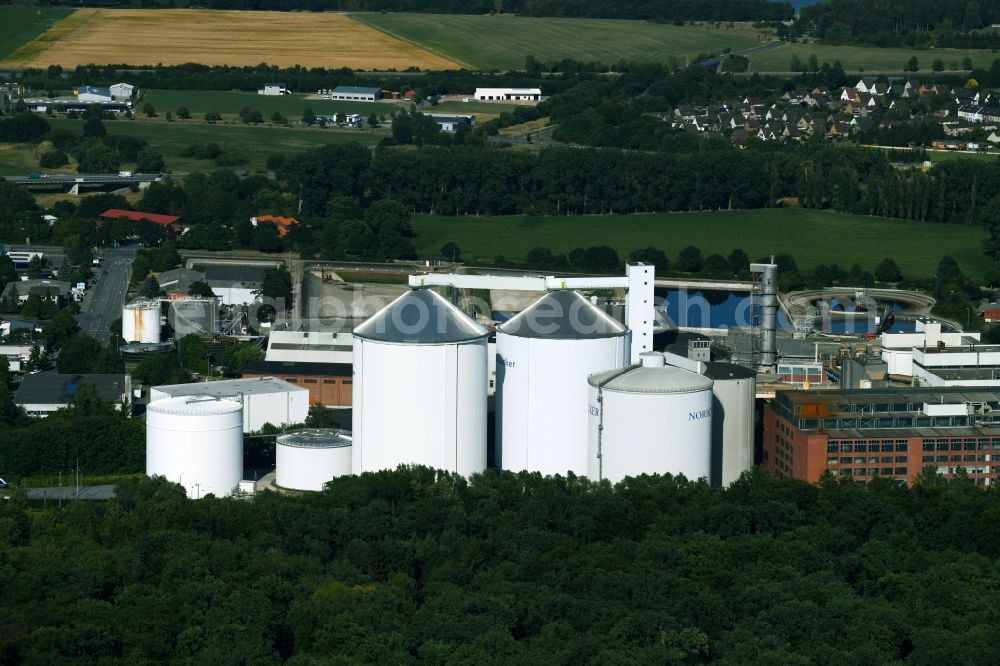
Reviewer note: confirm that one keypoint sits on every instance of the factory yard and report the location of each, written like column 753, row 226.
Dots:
column 178, row 36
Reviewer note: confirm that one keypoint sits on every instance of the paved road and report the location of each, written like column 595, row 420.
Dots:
column 70, row 492
column 91, row 179
column 104, row 301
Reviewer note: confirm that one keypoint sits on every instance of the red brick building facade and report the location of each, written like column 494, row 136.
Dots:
column 329, row 384
column 889, row 433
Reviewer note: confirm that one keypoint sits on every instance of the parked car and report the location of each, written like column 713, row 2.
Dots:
column 3, row 484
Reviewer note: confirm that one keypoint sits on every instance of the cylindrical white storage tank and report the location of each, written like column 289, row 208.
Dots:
column 544, row 355
column 141, row 321
column 196, row 441
column 649, row 419
column 735, row 392
column 307, row 459
column 193, row 316
column 420, row 387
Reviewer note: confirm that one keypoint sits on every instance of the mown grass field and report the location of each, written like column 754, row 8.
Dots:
column 232, row 102
column 812, row 237
column 857, row 59
column 211, row 37
column 257, row 143
column 502, row 42
column 20, row 25
column 947, row 156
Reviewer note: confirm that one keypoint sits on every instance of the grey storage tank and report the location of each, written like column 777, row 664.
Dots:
column 734, row 394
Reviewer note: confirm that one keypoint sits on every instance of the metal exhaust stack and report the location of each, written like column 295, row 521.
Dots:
column 768, row 315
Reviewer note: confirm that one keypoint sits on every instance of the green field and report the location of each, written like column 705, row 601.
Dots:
column 20, row 25
column 948, row 156
column 258, row 143
column 502, row 42
column 200, row 102
column 812, row 237
column 858, row 59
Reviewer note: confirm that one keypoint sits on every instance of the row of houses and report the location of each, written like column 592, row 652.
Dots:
column 840, row 113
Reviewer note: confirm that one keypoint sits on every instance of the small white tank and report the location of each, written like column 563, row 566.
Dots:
column 196, row 441
column 141, row 321
column 307, row 459
column 649, row 419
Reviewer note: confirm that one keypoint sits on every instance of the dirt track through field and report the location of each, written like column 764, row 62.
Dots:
column 211, row 37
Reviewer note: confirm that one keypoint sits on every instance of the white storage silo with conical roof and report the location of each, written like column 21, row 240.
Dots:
column 544, row 355
column 420, row 387
column 649, row 418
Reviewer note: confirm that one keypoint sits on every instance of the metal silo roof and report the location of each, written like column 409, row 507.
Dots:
column 563, row 315
column 638, row 379
column 194, row 405
column 420, row 316
column 316, row 438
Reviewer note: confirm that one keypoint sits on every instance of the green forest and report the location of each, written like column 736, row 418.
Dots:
column 415, row 565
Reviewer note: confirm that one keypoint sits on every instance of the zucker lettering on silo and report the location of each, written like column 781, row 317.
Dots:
column 700, row 414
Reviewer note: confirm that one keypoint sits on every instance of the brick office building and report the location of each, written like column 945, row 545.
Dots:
column 329, row 384
column 893, row 433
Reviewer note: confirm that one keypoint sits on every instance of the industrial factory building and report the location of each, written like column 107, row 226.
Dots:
column 508, row 94
column 235, row 285
column 265, row 400
column 892, row 433
column 329, row 384
column 355, row 94
column 45, row 392
column 310, row 347
column 898, row 349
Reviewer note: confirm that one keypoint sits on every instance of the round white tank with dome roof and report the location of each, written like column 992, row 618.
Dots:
column 420, row 387
column 650, row 418
column 308, row 459
column 544, row 355
column 196, row 441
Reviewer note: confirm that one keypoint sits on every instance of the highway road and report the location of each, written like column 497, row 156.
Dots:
column 91, row 179
column 103, row 302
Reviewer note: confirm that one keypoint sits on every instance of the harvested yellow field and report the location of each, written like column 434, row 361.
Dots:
column 212, row 37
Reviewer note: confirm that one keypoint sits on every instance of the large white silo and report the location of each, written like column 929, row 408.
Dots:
column 544, row 355
column 141, row 321
column 307, row 459
column 649, row 419
column 420, row 387
column 735, row 392
column 196, row 441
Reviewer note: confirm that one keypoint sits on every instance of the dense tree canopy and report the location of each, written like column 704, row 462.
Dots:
column 416, row 566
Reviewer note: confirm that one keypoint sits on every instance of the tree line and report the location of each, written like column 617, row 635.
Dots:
column 680, row 10
column 919, row 23
column 414, row 565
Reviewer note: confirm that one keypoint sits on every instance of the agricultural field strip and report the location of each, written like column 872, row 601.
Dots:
column 502, row 42
column 20, row 25
column 177, row 36
column 812, row 237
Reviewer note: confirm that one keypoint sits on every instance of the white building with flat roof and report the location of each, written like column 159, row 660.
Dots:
column 265, row 399
column 355, row 94
column 933, row 357
column 508, row 94
column 310, row 347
